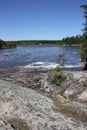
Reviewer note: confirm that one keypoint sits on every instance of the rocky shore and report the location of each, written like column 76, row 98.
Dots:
column 30, row 101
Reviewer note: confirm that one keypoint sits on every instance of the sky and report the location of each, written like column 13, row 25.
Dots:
column 40, row 19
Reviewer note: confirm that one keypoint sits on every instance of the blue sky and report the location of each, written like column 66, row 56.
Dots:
column 40, row 19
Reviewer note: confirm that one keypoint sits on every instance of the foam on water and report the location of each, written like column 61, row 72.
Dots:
column 36, row 56
column 49, row 65
column 38, row 65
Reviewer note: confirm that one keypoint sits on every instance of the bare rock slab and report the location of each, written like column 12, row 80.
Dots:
column 25, row 109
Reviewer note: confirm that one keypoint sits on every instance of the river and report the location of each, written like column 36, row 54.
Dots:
column 40, row 55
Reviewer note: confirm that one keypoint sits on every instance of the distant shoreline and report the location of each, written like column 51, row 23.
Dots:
column 9, row 45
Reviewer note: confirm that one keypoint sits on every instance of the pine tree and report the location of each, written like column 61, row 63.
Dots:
column 1, row 43
column 84, row 39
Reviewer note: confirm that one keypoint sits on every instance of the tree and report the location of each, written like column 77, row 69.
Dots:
column 73, row 40
column 1, row 43
column 84, row 39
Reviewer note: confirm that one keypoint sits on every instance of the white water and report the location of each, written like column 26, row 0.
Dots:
column 49, row 65
column 42, row 56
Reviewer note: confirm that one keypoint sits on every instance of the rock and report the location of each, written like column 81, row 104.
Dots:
column 25, row 109
column 83, row 96
column 46, row 85
column 5, row 125
column 23, row 77
column 75, row 85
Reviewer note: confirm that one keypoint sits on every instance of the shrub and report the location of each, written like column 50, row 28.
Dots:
column 59, row 76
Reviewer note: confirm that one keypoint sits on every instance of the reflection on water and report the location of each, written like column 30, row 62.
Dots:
column 46, row 55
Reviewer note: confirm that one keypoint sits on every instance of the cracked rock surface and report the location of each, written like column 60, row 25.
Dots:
column 25, row 109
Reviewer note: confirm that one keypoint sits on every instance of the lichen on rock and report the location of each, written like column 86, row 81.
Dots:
column 28, row 109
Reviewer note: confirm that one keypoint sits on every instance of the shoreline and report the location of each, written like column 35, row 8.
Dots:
column 15, row 46
column 69, row 99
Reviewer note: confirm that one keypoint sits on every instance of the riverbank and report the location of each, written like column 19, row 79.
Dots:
column 32, row 101
column 72, row 87
column 14, row 44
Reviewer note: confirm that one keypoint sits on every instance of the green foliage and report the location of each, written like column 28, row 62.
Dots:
column 64, row 41
column 57, row 69
column 2, row 43
column 84, row 37
column 74, row 40
column 59, row 76
column 12, row 44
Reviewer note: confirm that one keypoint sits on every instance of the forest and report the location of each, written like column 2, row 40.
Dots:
column 73, row 40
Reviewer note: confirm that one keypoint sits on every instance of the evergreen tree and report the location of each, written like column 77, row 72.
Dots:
column 84, row 38
column 1, row 43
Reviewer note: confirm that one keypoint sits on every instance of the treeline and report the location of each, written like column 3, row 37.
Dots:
column 32, row 42
column 74, row 40
column 11, row 44
column 2, row 43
